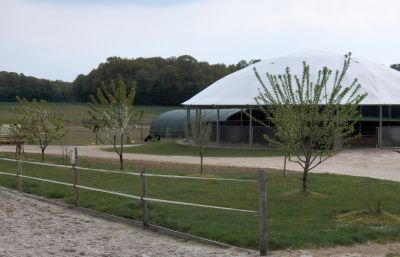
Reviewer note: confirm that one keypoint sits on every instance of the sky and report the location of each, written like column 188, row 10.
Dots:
column 62, row 39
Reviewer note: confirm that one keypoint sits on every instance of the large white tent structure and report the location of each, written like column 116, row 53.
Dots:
column 239, row 89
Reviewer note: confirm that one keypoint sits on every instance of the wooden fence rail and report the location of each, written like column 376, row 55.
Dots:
column 129, row 173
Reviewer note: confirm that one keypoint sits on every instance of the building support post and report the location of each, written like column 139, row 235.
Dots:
column 241, row 117
column 217, row 139
column 187, row 122
column 359, row 124
column 380, row 127
column 390, row 114
column 251, row 127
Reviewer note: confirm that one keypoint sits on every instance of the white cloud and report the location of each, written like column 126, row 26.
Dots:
column 59, row 41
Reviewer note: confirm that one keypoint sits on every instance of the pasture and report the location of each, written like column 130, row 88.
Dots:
column 75, row 113
column 294, row 221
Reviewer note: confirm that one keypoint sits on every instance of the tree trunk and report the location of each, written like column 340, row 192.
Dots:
column 284, row 166
column 121, row 158
column 305, row 179
column 201, row 161
column 201, row 164
column 42, row 154
column 121, row 162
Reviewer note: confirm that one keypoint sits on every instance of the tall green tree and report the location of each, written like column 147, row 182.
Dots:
column 42, row 123
column 311, row 118
column 13, row 84
column 114, row 115
column 181, row 77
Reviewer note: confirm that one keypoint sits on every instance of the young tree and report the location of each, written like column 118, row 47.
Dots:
column 114, row 114
column 310, row 117
column 18, row 132
column 200, row 132
column 43, row 124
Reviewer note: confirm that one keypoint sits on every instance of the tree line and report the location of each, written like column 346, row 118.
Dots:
column 17, row 84
column 395, row 66
column 160, row 81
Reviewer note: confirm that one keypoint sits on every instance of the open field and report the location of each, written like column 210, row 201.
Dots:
column 74, row 113
column 294, row 222
column 170, row 147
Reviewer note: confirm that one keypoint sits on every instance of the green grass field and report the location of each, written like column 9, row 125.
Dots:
column 294, row 222
column 74, row 113
column 170, row 147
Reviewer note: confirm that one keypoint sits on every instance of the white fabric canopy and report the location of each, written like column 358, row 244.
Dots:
column 240, row 88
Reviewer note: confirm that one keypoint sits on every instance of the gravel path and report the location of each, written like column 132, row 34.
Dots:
column 29, row 227
column 369, row 162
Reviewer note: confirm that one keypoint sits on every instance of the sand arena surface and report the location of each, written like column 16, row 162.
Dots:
column 29, row 227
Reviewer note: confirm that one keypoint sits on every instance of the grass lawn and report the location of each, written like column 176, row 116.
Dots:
column 294, row 222
column 170, row 147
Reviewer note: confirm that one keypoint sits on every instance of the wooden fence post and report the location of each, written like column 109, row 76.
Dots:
column 144, row 202
column 74, row 161
column 262, row 197
column 19, row 168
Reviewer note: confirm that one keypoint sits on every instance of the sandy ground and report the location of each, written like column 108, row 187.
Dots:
column 369, row 162
column 29, row 227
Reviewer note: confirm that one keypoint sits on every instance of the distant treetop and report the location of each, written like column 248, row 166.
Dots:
column 395, row 66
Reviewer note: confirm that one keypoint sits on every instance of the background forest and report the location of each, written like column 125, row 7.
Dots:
column 160, row 81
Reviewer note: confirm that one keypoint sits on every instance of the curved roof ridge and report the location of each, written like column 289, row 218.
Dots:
column 239, row 88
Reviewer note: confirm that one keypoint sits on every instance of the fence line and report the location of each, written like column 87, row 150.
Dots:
column 128, row 173
column 131, row 196
column 261, row 181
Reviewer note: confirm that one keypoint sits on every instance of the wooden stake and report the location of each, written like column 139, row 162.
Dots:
column 76, row 176
column 262, row 196
column 19, row 169
column 144, row 202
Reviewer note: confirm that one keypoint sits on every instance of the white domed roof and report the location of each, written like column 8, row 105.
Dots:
column 240, row 88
